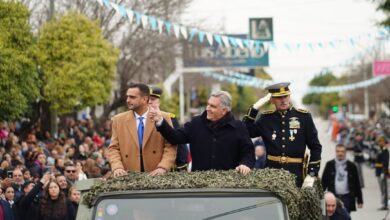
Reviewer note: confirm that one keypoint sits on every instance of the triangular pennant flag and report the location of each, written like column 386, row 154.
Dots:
column 100, row 2
column 192, row 34
column 176, row 30
column 183, row 31
column 137, row 17
column 246, row 43
column 218, row 39
column 352, row 41
column 239, row 43
column 251, row 43
column 115, row 7
column 201, row 36
column 153, row 22
column 168, row 27
column 130, row 15
column 287, row 46
column 233, row 41
column 122, row 11
column 311, row 47
column 257, row 43
column 225, row 40
column 144, row 20
column 209, row 38
column 106, row 3
column 160, row 25
column 273, row 45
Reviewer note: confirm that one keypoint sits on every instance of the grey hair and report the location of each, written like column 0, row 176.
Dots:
column 225, row 97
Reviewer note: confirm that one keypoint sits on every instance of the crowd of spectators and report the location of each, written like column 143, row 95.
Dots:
column 38, row 171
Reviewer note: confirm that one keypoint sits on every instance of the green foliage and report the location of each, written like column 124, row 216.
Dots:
column 242, row 97
column 262, row 74
column 78, row 63
column 19, row 80
column 170, row 104
column 325, row 101
column 203, row 95
column 302, row 203
column 384, row 6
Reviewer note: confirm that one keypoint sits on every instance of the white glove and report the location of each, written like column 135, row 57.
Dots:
column 309, row 181
column 262, row 101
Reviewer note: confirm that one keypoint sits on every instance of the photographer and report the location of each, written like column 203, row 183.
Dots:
column 28, row 205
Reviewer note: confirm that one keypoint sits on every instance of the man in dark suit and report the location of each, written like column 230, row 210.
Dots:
column 182, row 150
column 286, row 132
column 217, row 141
column 342, row 179
column 135, row 143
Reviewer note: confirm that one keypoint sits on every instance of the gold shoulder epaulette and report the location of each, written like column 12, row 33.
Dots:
column 302, row 110
column 267, row 112
column 172, row 115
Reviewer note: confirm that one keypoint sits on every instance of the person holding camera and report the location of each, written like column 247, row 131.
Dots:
column 28, row 205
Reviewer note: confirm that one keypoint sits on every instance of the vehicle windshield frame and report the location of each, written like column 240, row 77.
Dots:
column 188, row 193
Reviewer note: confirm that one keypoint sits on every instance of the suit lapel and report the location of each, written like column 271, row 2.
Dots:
column 131, row 127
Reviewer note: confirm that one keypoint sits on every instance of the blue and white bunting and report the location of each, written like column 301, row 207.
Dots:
column 130, row 15
column 347, row 87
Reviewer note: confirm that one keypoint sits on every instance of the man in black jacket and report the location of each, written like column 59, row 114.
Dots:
column 341, row 178
column 217, row 141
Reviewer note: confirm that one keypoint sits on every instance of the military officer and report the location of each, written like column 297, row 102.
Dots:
column 381, row 169
column 286, row 131
column 182, row 151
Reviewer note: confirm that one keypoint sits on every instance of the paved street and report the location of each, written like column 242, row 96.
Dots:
column 371, row 195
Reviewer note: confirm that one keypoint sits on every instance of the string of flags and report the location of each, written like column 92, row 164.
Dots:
column 239, row 79
column 191, row 34
column 347, row 87
column 245, row 80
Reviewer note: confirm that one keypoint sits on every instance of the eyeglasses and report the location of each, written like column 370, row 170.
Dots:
column 18, row 175
column 70, row 171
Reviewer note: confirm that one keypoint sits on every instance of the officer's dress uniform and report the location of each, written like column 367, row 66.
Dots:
column 286, row 135
column 381, row 171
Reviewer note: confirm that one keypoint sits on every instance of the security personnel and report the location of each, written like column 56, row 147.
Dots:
column 182, row 151
column 286, row 132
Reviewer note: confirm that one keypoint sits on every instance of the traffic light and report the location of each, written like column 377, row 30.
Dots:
column 335, row 108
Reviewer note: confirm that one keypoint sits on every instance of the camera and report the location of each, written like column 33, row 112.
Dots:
column 10, row 173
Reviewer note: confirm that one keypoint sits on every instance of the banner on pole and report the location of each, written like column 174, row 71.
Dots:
column 381, row 68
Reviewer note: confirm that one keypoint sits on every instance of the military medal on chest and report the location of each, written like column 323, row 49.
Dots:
column 274, row 136
column 294, row 125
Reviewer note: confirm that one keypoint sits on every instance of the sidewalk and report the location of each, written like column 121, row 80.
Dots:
column 371, row 194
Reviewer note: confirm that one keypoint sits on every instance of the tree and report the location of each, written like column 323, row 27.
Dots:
column 146, row 56
column 384, row 6
column 242, row 96
column 325, row 101
column 19, row 80
column 78, row 64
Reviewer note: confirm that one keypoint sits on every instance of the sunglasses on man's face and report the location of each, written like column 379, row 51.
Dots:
column 70, row 171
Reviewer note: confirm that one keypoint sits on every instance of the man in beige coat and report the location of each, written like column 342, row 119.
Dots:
column 156, row 156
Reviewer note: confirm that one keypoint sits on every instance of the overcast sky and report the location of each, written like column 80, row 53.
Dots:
column 294, row 21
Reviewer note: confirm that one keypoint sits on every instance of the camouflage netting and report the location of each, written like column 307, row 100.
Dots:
column 302, row 203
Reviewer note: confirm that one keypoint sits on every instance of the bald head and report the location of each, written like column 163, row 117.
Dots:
column 331, row 203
